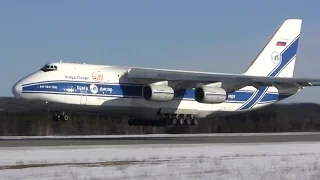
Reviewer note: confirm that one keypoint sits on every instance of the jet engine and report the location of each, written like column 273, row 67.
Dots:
column 153, row 92
column 211, row 95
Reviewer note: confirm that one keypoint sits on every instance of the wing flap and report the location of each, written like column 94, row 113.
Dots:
column 204, row 77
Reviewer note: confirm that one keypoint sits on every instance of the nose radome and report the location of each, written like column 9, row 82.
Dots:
column 17, row 90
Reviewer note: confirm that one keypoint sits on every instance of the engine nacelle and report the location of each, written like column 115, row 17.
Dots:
column 157, row 93
column 212, row 95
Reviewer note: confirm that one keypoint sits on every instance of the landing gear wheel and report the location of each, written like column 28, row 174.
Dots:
column 55, row 117
column 65, row 117
column 189, row 121
column 181, row 121
column 60, row 116
column 195, row 121
column 174, row 121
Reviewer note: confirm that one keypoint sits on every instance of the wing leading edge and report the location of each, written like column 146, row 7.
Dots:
column 188, row 77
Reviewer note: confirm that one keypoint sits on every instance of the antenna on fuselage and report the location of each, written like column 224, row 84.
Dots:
column 60, row 61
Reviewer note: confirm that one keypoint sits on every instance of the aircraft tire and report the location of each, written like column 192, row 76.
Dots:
column 55, row 117
column 195, row 121
column 65, row 117
column 174, row 121
column 188, row 121
column 181, row 121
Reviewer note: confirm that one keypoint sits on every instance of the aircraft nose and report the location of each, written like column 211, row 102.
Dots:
column 17, row 90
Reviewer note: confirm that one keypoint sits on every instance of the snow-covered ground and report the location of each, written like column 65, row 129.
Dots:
column 265, row 161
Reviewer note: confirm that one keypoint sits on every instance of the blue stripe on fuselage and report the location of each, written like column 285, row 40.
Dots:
column 287, row 56
column 128, row 90
column 69, row 87
column 255, row 99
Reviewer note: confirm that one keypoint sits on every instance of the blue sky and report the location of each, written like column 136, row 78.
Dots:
column 216, row 36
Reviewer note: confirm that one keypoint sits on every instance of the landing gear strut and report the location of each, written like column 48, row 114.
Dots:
column 60, row 116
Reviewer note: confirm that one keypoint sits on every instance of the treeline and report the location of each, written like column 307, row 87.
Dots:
column 275, row 118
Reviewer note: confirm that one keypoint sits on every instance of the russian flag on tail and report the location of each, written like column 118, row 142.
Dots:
column 282, row 42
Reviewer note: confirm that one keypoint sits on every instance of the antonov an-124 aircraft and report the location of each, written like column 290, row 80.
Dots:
column 174, row 97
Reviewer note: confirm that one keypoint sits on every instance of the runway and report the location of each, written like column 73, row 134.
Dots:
column 19, row 141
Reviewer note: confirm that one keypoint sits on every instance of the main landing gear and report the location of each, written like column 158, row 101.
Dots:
column 177, row 120
column 60, row 116
column 167, row 120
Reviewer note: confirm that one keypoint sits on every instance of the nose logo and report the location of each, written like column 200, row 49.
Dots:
column 97, row 76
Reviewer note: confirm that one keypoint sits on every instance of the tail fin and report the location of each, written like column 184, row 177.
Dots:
column 277, row 58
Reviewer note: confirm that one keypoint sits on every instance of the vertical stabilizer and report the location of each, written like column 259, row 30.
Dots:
column 277, row 58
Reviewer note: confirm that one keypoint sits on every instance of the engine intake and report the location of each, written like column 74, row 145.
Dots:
column 211, row 95
column 157, row 93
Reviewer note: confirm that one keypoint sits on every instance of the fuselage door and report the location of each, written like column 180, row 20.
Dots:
column 83, row 98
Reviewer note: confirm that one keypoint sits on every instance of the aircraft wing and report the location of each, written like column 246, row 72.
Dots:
column 190, row 78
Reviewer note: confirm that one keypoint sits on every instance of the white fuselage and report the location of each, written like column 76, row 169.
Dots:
column 106, row 90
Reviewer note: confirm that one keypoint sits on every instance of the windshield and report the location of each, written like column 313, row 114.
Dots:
column 49, row 67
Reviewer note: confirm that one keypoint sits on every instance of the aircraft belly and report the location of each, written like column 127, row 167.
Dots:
column 142, row 108
column 126, row 106
column 137, row 107
column 189, row 107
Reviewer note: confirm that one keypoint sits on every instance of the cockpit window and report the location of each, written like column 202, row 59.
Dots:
column 49, row 68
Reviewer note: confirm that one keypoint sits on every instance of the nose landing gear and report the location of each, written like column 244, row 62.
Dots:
column 60, row 116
